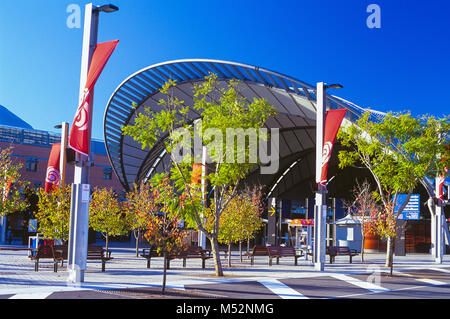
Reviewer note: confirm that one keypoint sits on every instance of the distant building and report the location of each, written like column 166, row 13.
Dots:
column 32, row 148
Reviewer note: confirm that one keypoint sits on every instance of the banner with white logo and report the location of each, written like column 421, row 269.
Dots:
column 52, row 175
column 333, row 121
column 79, row 139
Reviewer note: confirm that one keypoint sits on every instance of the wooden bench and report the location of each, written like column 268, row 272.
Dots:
column 282, row 251
column 191, row 252
column 98, row 253
column 148, row 253
column 45, row 252
column 334, row 251
column 61, row 252
column 17, row 248
column 257, row 251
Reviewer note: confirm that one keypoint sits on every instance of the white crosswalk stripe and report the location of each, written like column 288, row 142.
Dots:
column 431, row 281
column 31, row 296
column 281, row 289
column 441, row 269
column 362, row 284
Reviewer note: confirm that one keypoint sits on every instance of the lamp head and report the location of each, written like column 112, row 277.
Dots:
column 107, row 8
column 334, row 86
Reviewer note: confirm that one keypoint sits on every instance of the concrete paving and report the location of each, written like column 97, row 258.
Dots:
column 18, row 280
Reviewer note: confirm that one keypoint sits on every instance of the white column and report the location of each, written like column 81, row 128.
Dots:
column 320, row 207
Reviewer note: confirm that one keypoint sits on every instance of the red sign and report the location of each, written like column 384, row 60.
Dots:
column 52, row 176
column 333, row 121
column 79, row 139
column 302, row 222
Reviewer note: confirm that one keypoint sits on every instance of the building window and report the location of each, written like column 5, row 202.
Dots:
column 107, row 173
column 32, row 164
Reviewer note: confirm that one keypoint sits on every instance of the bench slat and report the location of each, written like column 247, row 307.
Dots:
column 334, row 251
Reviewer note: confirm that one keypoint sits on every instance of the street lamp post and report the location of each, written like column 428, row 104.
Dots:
column 438, row 229
column 202, row 235
column 64, row 126
column 320, row 208
column 79, row 208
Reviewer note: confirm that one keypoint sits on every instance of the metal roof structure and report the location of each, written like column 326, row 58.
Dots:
column 294, row 99
column 8, row 118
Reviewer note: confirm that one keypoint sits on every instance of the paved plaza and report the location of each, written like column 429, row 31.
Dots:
column 126, row 276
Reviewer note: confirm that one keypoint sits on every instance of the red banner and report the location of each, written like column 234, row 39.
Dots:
column 333, row 121
column 52, row 176
column 440, row 182
column 79, row 139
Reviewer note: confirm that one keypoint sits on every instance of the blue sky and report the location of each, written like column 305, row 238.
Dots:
column 404, row 65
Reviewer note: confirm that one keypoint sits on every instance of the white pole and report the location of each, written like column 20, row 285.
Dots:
column 202, row 237
column 433, row 225
column 320, row 207
column 79, row 223
column 62, row 158
column 439, row 229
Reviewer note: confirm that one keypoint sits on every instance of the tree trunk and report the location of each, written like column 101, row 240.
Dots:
column 107, row 242
column 248, row 245
column 363, row 239
column 164, row 273
column 390, row 254
column 137, row 241
column 229, row 254
column 240, row 249
column 216, row 256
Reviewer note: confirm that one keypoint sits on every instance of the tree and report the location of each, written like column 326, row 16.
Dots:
column 364, row 206
column 230, row 224
column 252, row 220
column 221, row 109
column 163, row 220
column 399, row 151
column 106, row 215
column 241, row 219
column 53, row 215
column 10, row 185
column 140, row 205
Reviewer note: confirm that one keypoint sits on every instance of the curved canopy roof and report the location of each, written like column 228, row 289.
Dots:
column 294, row 99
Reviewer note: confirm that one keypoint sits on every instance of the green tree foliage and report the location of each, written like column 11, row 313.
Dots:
column 12, row 199
column 241, row 219
column 399, row 151
column 53, row 214
column 106, row 214
column 221, row 107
